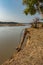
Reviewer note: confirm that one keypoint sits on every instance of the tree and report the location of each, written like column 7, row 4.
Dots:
column 33, row 6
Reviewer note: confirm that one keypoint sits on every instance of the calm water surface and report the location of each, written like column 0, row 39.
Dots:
column 9, row 39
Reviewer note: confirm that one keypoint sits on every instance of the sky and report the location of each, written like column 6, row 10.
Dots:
column 12, row 10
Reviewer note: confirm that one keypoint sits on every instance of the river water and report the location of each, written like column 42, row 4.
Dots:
column 9, row 40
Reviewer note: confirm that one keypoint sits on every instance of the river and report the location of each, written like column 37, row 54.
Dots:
column 9, row 40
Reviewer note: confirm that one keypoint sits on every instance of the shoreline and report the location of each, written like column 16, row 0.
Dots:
column 32, row 52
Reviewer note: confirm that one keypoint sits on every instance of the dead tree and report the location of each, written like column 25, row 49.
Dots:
column 36, row 22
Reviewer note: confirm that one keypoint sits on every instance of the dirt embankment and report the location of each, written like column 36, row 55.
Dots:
column 32, row 53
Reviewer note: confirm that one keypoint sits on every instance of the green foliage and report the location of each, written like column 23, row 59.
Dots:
column 32, row 10
column 26, row 11
column 41, row 9
column 41, row 0
column 33, row 6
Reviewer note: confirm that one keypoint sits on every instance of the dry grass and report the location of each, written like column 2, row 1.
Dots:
column 32, row 53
